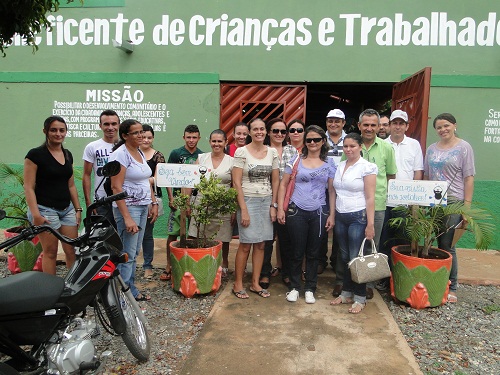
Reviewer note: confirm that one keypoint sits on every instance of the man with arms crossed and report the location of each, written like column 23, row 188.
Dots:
column 95, row 156
column 410, row 163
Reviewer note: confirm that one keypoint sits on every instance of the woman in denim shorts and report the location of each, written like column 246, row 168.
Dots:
column 50, row 192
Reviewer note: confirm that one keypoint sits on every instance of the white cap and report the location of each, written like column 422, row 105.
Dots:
column 336, row 113
column 399, row 114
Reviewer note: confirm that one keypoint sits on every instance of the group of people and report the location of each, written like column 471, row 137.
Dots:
column 339, row 181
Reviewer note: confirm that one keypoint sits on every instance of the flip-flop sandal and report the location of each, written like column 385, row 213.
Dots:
column 341, row 300
column 141, row 297
column 166, row 276
column 275, row 271
column 242, row 294
column 452, row 298
column 148, row 275
column 264, row 284
column 357, row 307
column 263, row 293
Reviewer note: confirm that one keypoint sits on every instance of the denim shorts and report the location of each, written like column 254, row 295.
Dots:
column 57, row 218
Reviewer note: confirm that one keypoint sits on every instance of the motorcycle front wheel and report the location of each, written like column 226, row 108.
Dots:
column 136, row 336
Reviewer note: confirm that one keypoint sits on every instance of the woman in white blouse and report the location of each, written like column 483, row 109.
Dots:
column 354, row 185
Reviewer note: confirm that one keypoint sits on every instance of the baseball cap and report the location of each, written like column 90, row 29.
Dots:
column 399, row 114
column 336, row 113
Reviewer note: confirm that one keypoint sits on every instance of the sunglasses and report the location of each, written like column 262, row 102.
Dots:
column 315, row 140
column 277, row 131
column 298, row 130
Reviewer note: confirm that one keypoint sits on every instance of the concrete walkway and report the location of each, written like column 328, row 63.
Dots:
column 259, row 335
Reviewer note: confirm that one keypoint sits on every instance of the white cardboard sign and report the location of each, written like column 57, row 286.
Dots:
column 179, row 175
column 418, row 192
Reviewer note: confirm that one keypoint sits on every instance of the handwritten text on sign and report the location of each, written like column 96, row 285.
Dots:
column 179, row 175
column 422, row 193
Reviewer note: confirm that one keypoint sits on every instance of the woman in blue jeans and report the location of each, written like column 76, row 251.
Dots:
column 131, row 213
column 308, row 215
column 354, row 185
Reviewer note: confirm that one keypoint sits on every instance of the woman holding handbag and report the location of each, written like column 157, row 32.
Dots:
column 153, row 157
column 354, row 185
column 307, row 215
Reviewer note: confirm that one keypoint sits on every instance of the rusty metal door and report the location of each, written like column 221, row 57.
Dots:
column 243, row 102
column 412, row 96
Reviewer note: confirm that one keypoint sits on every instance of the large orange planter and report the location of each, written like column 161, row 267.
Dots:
column 196, row 271
column 25, row 256
column 420, row 282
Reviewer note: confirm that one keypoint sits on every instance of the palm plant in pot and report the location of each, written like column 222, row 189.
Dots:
column 196, row 262
column 25, row 256
column 420, row 272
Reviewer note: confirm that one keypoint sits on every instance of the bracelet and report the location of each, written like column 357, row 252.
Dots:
column 155, row 203
column 79, row 209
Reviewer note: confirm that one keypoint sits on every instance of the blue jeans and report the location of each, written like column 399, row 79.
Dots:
column 350, row 231
column 444, row 243
column 148, row 246
column 305, row 229
column 131, row 242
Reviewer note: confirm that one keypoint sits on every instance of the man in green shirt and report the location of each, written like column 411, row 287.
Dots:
column 187, row 154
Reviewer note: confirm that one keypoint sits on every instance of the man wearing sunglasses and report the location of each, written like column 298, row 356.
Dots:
column 335, row 121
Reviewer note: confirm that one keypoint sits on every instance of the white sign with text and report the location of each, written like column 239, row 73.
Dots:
column 422, row 193
column 179, row 175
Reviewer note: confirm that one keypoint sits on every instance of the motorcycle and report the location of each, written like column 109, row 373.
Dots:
column 44, row 327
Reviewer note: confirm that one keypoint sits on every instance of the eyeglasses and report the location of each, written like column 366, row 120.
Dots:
column 141, row 132
column 298, row 130
column 277, row 131
column 315, row 140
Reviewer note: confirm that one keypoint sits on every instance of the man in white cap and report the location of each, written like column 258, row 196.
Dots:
column 335, row 121
column 410, row 164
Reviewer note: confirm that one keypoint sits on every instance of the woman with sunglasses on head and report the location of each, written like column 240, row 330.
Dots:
column 276, row 138
column 132, row 212
column 153, row 157
column 354, row 220
column 308, row 215
column 256, row 178
column 50, row 192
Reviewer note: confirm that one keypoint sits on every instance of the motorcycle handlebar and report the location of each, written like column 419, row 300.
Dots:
column 31, row 232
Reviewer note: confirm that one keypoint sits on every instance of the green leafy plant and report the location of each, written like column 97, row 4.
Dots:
column 213, row 201
column 423, row 225
column 14, row 203
column 26, row 18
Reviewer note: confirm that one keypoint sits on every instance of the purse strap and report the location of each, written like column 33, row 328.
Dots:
column 295, row 167
column 362, row 247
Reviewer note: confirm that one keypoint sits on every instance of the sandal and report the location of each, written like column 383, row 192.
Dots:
column 166, row 275
column 303, row 276
column 141, row 297
column 148, row 274
column 357, row 307
column 263, row 293
column 452, row 298
column 340, row 300
column 275, row 271
column 242, row 294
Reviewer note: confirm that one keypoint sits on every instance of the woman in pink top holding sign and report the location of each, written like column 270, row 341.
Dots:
column 451, row 160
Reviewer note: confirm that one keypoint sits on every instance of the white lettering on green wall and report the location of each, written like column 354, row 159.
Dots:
column 492, row 127
column 434, row 29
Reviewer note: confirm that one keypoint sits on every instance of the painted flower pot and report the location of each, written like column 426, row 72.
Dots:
column 25, row 256
column 420, row 282
column 196, row 270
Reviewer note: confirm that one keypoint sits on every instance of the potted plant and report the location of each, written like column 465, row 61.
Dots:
column 25, row 256
column 420, row 272
column 196, row 263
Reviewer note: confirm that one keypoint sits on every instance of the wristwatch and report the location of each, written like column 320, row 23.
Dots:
column 275, row 205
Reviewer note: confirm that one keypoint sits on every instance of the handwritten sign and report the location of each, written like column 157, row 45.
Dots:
column 179, row 175
column 422, row 193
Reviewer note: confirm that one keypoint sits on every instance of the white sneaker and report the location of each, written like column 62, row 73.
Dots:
column 292, row 296
column 310, row 297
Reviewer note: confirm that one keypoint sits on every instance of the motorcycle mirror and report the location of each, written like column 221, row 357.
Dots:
column 3, row 214
column 111, row 169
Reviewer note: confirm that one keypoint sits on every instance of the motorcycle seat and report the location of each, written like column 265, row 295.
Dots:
column 29, row 292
